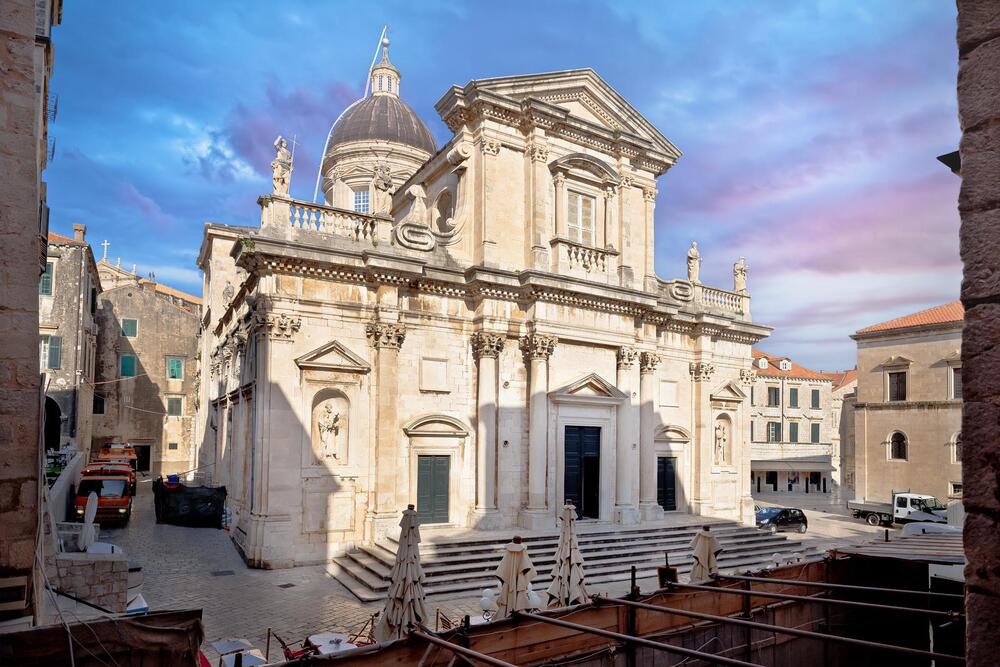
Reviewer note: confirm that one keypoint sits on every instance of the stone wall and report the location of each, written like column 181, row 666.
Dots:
column 21, row 135
column 979, row 204
column 100, row 579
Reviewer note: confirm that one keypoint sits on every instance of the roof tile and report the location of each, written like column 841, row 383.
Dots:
column 949, row 312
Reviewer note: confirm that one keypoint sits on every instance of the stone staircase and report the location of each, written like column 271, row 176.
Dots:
column 465, row 565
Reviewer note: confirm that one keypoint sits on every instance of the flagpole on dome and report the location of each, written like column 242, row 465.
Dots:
column 382, row 39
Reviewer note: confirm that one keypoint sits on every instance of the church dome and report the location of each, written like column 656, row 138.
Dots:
column 382, row 118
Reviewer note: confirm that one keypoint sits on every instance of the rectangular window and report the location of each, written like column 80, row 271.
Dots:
column 793, row 432
column 130, row 328
column 171, row 445
column 956, row 383
column 814, row 432
column 175, row 368
column 580, row 218
column 126, row 366
column 815, row 399
column 53, row 352
column 793, row 397
column 956, row 489
column 361, row 201
column 93, row 300
column 175, row 406
column 773, row 397
column 751, row 431
column 45, row 282
column 98, row 404
column 897, row 386
column 773, row 432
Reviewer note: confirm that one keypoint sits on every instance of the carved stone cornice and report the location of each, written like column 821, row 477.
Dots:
column 626, row 357
column 387, row 335
column 648, row 362
column 701, row 371
column 748, row 376
column 487, row 344
column 538, row 346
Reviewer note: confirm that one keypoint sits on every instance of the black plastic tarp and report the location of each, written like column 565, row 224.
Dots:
column 192, row 506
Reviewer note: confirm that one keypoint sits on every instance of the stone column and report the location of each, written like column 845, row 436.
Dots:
column 626, row 446
column 559, row 179
column 649, row 195
column 703, row 446
column 537, row 349
column 978, row 90
column 647, row 454
column 610, row 203
column 386, row 338
column 486, row 347
column 538, row 153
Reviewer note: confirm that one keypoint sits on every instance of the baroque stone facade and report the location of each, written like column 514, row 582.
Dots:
column 495, row 343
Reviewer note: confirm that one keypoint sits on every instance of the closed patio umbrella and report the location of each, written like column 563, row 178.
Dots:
column 516, row 574
column 706, row 550
column 567, row 585
column 405, row 605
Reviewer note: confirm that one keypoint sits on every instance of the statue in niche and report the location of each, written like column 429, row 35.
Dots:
column 281, row 166
column 694, row 262
column 740, row 275
column 328, row 424
column 721, row 440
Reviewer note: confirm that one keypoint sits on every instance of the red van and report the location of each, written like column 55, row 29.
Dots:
column 114, row 497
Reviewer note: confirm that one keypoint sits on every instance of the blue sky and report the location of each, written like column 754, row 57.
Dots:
column 809, row 129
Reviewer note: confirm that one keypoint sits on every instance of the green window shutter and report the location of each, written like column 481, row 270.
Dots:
column 55, row 351
column 130, row 328
column 175, row 407
column 175, row 368
column 45, row 282
column 815, row 433
column 127, row 366
column 815, row 399
column 793, row 432
column 793, row 398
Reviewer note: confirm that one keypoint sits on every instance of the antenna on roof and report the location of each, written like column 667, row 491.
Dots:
column 368, row 80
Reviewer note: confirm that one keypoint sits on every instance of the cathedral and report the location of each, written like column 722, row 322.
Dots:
column 476, row 329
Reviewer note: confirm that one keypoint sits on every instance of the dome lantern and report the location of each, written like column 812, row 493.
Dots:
column 385, row 76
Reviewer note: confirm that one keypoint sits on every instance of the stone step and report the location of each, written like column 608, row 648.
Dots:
column 586, row 540
column 360, row 582
column 365, row 572
column 614, row 550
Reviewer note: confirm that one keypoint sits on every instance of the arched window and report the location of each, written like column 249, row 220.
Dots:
column 389, row 83
column 380, row 82
column 898, row 447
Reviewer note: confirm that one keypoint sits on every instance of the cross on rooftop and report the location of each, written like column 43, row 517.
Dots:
column 105, row 245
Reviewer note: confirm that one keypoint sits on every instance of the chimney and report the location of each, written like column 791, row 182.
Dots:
column 79, row 231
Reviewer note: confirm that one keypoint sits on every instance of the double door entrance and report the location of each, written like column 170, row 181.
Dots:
column 433, row 474
column 582, row 470
column 666, row 482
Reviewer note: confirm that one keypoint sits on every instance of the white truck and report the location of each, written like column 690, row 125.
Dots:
column 904, row 508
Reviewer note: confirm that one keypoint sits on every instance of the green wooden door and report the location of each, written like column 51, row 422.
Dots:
column 432, row 488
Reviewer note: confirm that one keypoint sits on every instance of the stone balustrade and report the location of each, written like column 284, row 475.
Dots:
column 283, row 214
column 577, row 257
column 724, row 300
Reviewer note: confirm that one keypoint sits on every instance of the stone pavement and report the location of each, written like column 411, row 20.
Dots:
column 200, row 568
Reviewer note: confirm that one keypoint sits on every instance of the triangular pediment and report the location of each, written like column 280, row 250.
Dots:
column 585, row 96
column 334, row 356
column 896, row 360
column 588, row 388
column 729, row 392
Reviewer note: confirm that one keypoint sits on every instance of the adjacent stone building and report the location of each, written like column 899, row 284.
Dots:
column 68, row 291
column 908, row 413
column 486, row 341
column 26, row 62
column 147, row 370
column 843, row 396
column 795, row 436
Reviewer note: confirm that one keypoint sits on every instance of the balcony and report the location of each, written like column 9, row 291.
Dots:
column 292, row 218
column 583, row 261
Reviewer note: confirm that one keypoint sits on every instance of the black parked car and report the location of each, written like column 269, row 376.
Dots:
column 773, row 519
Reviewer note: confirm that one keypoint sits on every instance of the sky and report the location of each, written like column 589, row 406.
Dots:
column 809, row 130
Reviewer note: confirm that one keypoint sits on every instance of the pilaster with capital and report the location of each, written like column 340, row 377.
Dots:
column 537, row 349
column 627, row 440
column 387, row 338
column 559, row 181
column 649, row 197
column 541, row 226
column 610, row 204
column 486, row 348
column 648, row 363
